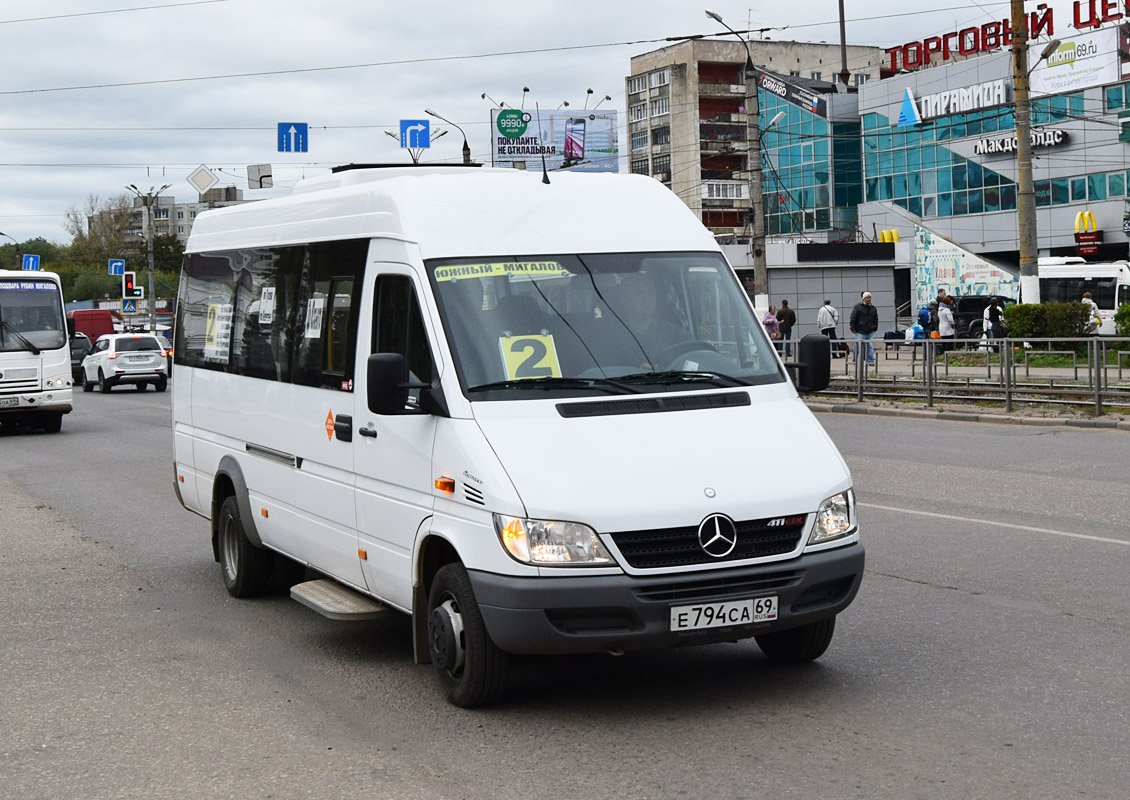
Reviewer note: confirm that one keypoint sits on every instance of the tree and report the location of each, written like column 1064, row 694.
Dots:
column 101, row 230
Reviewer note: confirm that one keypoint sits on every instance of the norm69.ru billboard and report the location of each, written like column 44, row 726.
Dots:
column 579, row 141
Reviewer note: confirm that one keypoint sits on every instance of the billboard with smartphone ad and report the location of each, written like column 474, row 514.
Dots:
column 578, row 141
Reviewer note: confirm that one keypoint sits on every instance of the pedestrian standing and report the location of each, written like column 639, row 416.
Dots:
column 947, row 327
column 786, row 319
column 827, row 318
column 997, row 325
column 863, row 322
column 771, row 325
column 1093, row 307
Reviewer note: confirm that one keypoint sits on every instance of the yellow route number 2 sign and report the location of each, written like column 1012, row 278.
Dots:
column 531, row 356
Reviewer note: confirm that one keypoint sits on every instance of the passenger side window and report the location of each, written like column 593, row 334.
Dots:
column 399, row 328
column 328, row 305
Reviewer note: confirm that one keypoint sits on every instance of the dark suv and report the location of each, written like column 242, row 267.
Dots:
column 969, row 313
column 80, row 346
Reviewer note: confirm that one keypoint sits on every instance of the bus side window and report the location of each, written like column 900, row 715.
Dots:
column 399, row 328
column 328, row 310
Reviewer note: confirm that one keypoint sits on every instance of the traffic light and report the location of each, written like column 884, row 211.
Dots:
column 130, row 289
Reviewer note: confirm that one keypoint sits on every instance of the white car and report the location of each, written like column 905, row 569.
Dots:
column 137, row 358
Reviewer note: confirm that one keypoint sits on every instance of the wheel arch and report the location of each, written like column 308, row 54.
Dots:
column 229, row 481
column 435, row 551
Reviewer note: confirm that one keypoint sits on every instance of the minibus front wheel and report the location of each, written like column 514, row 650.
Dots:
column 470, row 667
column 246, row 568
column 798, row 645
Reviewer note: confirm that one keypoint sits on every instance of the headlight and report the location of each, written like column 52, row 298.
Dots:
column 545, row 541
column 834, row 518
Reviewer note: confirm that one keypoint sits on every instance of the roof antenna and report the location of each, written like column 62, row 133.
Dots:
column 544, row 171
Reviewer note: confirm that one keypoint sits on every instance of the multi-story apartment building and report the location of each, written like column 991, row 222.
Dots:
column 688, row 126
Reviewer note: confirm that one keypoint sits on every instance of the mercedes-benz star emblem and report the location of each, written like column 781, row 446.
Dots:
column 717, row 535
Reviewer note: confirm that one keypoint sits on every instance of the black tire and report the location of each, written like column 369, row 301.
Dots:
column 141, row 387
column 104, row 384
column 51, row 423
column 471, row 668
column 87, row 386
column 246, row 569
column 162, row 384
column 798, row 645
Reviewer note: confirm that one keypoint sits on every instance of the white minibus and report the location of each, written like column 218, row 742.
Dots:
column 1064, row 280
column 35, row 356
column 535, row 413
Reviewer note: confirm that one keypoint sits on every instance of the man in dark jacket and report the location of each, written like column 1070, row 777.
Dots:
column 786, row 319
column 864, row 322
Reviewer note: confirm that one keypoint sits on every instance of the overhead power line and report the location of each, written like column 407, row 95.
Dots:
column 109, row 11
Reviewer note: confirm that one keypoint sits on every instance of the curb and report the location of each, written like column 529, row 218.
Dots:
column 966, row 416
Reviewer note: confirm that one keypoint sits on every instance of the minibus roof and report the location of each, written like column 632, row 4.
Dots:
column 453, row 212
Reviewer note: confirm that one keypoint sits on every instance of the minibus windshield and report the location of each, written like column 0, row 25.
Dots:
column 599, row 323
column 31, row 316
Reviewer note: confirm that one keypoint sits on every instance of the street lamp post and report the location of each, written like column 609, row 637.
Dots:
column 753, row 163
column 147, row 201
column 17, row 244
column 466, row 147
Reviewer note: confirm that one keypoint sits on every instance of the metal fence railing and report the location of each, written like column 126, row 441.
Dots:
column 1091, row 372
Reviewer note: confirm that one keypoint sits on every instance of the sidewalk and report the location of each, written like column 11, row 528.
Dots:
column 961, row 412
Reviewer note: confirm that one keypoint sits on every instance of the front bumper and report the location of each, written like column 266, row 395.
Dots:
column 57, row 401
column 578, row 614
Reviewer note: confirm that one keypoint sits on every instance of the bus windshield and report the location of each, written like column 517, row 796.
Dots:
column 635, row 320
column 31, row 312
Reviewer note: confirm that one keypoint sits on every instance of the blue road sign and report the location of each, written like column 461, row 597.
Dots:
column 415, row 133
column 31, row 262
column 293, row 137
column 129, row 306
column 116, row 266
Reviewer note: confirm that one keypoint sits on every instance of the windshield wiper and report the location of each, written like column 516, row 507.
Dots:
column 559, row 383
column 27, row 345
column 672, row 376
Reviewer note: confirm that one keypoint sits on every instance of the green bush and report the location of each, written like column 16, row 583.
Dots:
column 1048, row 320
column 1122, row 321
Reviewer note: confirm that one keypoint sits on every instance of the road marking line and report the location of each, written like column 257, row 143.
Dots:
column 1010, row 525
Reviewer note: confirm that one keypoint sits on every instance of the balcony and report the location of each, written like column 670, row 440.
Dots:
column 721, row 90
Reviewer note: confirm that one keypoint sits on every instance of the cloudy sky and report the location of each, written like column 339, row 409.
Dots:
column 96, row 94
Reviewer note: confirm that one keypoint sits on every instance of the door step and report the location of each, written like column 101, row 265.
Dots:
column 331, row 599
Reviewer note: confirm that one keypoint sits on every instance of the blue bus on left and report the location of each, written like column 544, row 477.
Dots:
column 35, row 361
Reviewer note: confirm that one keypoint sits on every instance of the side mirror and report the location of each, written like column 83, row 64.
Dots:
column 386, row 383
column 813, row 369
column 71, row 327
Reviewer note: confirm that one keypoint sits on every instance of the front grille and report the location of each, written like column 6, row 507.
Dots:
column 717, row 587
column 19, row 387
column 679, row 547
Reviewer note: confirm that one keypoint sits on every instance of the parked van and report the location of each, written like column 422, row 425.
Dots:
column 538, row 416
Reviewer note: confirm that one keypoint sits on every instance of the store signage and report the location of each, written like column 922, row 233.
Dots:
column 1088, row 15
column 1086, row 60
column 809, row 101
column 953, row 101
column 1052, row 137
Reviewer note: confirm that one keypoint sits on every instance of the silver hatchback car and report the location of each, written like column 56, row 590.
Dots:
column 116, row 358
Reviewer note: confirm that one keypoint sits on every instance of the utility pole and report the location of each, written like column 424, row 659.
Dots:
column 753, row 163
column 1025, row 193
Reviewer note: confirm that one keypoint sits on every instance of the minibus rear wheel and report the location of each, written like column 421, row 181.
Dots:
column 798, row 645
column 246, row 568
column 470, row 667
